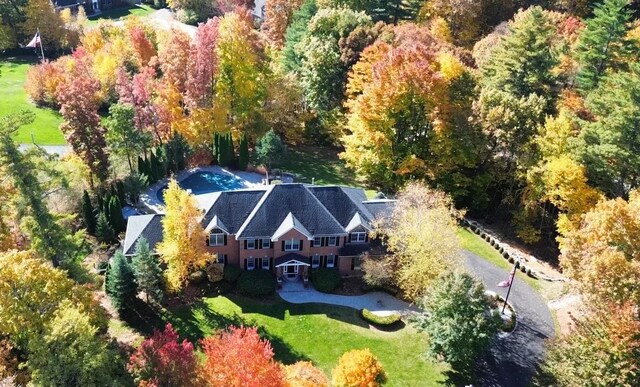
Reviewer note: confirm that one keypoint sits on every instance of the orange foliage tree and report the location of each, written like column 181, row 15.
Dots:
column 304, row 374
column 358, row 367
column 238, row 357
column 277, row 17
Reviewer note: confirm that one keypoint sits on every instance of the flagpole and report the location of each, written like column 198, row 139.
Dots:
column 41, row 48
column 513, row 277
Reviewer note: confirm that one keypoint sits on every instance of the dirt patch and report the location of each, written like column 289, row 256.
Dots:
column 351, row 286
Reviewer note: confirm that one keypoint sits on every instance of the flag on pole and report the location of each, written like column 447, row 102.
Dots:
column 507, row 283
column 35, row 42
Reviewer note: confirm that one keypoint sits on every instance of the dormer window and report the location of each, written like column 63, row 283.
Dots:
column 333, row 241
column 216, row 239
column 250, row 244
column 358, row 237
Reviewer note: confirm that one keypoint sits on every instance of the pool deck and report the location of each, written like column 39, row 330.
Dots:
column 149, row 199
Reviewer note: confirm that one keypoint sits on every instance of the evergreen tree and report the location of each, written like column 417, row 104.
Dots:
column 243, row 158
column 115, row 215
column 147, row 271
column 156, row 174
column 291, row 56
column 121, row 285
column 231, row 154
column 522, row 63
column 88, row 213
column 141, row 166
column 121, row 192
column 176, row 152
column 216, row 147
column 104, row 231
column 270, row 148
column 99, row 203
column 604, row 43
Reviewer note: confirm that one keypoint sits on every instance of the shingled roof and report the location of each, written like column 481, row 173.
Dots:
column 342, row 202
column 282, row 199
column 232, row 208
column 149, row 226
column 379, row 207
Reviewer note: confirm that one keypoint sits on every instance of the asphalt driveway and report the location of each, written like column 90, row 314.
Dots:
column 512, row 360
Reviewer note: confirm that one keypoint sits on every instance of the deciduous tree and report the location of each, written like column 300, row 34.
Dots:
column 173, row 56
column 304, row 374
column 238, row 357
column 278, row 16
column 358, row 367
column 162, row 360
column 122, row 136
column 183, row 246
column 458, row 320
column 203, row 66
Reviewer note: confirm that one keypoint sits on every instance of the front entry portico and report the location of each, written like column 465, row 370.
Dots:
column 292, row 266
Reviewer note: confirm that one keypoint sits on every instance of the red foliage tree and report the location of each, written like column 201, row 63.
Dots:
column 79, row 102
column 203, row 66
column 162, row 360
column 142, row 46
column 139, row 91
column 239, row 358
column 173, row 57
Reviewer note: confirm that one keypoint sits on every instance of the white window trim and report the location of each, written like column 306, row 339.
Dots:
column 291, row 246
column 334, row 243
column 220, row 258
column 267, row 266
column 253, row 242
column 317, row 241
column 251, row 263
column 333, row 260
column 315, row 264
column 266, row 245
column 361, row 237
column 213, row 239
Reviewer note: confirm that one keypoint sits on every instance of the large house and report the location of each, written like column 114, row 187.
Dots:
column 286, row 228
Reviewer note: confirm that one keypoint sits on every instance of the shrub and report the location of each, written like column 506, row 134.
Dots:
column 505, row 254
column 529, row 272
column 517, row 264
column 380, row 320
column 358, row 367
column 231, row 273
column 214, row 272
column 492, row 242
column 523, row 268
column 325, row 280
column 477, row 230
column 501, row 249
column 511, row 260
column 377, row 271
column 257, row 283
column 197, row 277
column 483, row 235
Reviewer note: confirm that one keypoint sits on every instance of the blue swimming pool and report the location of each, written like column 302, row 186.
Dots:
column 206, row 182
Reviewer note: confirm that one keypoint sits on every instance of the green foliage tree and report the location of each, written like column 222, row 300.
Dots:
column 388, row 11
column 243, row 153
column 72, row 353
column 270, row 149
column 123, row 138
column 291, row 56
column 604, row 43
column 121, row 285
column 134, row 184
column 115, row 215
column 104, row 230
column 88, row 213
column 46, row 235
column 457, row 320
column 176, row 152
column 147, row 271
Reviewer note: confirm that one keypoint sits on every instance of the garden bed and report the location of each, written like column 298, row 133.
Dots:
column 509, row 316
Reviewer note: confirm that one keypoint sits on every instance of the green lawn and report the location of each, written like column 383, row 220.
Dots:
column 115, row 14
column 315, row 332
column 14, row 98
column 479, row 246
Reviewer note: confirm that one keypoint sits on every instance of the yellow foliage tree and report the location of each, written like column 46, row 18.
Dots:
column 358, row 368
column 40, row 14
column 419, row 214
column 183, row 246
column 31, row 290
column 604, row 252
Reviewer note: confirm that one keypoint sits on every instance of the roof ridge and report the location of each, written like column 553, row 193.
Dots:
column 325, row 208
column 266, row 194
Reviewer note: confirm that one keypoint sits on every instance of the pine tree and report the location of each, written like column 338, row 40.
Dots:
column 104, row 231
column 603, row 43
column 141, row 170
column 243, row 160
column 216, row 147
column 121, row 192
column 88, row 213
column 156, row 172
column 147, row 271
column 121, row 285
column 231, row 155
column 115, row 215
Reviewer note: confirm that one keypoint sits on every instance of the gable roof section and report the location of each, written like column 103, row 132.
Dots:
column 232, row 208
column 343, row 203
column 216, row 224
column 282, row 200
column 147, row 226
column 380, row 207
column 357, row 221
column 290, row 223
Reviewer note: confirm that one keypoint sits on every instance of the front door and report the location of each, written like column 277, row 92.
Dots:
column 291, row 271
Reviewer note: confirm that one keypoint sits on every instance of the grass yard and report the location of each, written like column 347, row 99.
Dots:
column 320, row 333
column 475, row 244
column 14, row 98
column 123, row 12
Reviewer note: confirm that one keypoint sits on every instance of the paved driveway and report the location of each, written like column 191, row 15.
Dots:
column 513, row 359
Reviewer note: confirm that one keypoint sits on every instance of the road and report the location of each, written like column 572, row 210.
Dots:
column 513, row 359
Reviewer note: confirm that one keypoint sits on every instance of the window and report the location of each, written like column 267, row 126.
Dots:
column 216, row 239
column 251, row 244
column 355, row 263
column 265, row 263
column 331, row 260
column 222, row 258
column 333, row 241
column 357, row 237
column 292, row 245
column 317, row 241
column 251, row 263
column 315, row 261
column 266, row 243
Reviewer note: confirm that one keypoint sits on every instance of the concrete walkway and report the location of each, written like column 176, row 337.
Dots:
column 379, row 303
column 59, row 150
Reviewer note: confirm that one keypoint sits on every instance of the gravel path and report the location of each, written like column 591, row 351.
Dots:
column 513, row 359
column 51, row 149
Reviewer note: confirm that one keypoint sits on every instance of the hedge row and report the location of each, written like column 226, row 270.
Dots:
column 325, row 280
column 380, row 320
column 257, row 283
